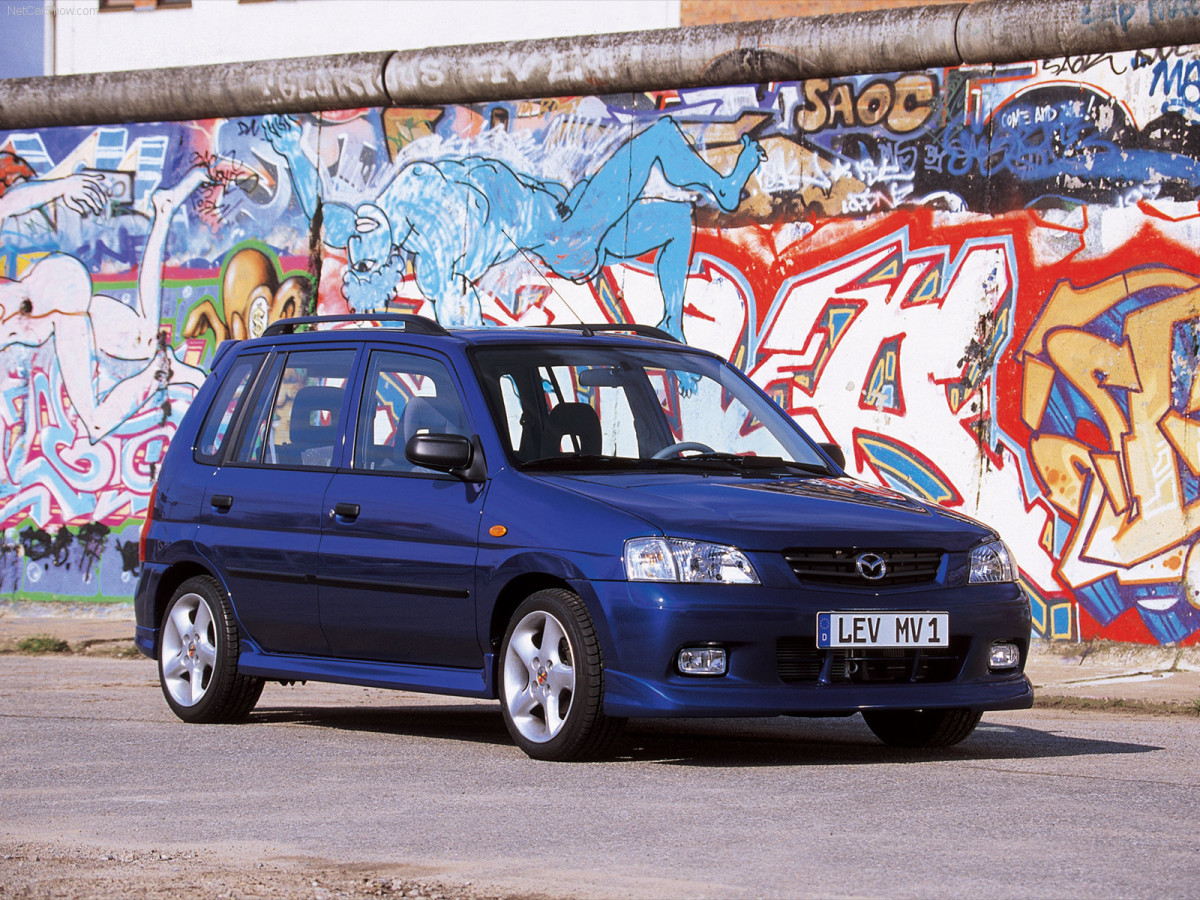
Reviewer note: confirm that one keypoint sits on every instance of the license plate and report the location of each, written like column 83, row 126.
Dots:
column 883, row 629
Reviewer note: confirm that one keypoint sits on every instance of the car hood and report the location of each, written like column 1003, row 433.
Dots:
column 774, row 514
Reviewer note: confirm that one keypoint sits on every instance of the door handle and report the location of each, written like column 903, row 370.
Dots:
column 347, row 511
column 221, row 502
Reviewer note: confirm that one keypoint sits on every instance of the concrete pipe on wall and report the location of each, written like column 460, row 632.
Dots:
column 343, row 81
column 744, row 53
column 989, row 31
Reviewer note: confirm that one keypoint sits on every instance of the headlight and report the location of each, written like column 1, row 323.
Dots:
column 992, row 563
column 673, row 559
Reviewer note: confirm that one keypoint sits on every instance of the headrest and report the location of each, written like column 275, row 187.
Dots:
column 435, row 415
column 309, row 403
column 577, row 419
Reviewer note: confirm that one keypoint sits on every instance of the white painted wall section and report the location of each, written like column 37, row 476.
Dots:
column 217, row 31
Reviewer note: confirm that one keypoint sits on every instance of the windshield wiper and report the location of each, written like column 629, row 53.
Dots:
column 750, row 463
column 771, row 462
column 579, row 461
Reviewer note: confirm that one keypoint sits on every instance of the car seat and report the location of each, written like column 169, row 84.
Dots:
column 580, row 422
column 312, row 438
column 434, row 415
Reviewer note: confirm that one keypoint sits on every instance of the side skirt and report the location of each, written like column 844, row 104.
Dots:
column 396, row 676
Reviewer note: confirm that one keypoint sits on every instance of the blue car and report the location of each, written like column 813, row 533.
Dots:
column 588, row 523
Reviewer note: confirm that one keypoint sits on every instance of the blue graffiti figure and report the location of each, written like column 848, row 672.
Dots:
column 456, row 218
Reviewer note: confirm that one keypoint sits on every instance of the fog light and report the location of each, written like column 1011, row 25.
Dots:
column 1005, row 656
column 702, row 661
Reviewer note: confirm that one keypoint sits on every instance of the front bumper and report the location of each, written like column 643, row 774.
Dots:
column 643, row 626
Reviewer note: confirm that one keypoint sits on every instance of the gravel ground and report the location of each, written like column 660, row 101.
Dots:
column 59, row 871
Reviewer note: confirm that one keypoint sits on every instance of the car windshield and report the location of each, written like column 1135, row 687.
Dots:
column 574, row 408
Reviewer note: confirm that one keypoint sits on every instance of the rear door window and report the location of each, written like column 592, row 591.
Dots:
column 295, row 417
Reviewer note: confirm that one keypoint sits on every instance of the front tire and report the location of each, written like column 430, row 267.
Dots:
column 926, row 728
column 552, row 680
column 198, row 653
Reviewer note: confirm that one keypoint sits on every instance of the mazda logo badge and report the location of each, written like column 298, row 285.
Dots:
column 871, row 566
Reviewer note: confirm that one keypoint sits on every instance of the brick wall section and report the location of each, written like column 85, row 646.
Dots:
column 714, row 12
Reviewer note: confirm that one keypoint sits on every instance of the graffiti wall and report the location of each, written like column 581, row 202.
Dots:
column 982, row 282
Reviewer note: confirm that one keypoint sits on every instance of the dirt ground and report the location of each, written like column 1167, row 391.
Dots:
column 58, row 871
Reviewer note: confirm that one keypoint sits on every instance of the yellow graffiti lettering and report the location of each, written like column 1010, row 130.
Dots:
column 1184, row 435
column 1095, row 366
column 841, row 105
column 913, row 104
column 873, row 103
column 1129, row 498
column 903, row 106
column 813, row 115
column 1062, row 465
column 1038, row 379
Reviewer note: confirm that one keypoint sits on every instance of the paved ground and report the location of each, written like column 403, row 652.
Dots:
column 334, row 792
column 1103, row 674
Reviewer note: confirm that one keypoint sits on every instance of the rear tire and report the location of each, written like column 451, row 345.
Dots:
column 198, row 654
column 922, row 727
column 552, row 680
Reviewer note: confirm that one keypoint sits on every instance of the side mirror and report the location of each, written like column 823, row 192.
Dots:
column 460, row 456
column 834, row 452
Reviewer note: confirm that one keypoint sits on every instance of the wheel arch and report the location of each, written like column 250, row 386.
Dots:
column 168, row 584
column 505, row 585
column 511, row 595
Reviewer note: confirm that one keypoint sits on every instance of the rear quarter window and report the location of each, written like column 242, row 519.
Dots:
column 221, row 413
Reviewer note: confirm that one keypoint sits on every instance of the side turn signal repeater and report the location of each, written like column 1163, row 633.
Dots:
column 497, row 531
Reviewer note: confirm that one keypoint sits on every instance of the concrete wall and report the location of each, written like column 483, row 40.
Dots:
column 225, row 31
column 713, row 12
column 980, row 281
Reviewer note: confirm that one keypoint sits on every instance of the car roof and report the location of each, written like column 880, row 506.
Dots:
column 427, row 332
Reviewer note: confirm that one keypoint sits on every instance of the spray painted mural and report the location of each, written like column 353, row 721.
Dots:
column 982, row 282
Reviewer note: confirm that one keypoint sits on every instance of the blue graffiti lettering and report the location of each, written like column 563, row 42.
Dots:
column 1164, row 10
column 1179, row 83
column 1102, row 13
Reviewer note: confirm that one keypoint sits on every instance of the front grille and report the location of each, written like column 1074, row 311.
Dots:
column 797, row 661
column 832, row 566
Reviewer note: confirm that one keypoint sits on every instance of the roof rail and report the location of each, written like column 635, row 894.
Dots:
column 588, row 330
column 413, row 323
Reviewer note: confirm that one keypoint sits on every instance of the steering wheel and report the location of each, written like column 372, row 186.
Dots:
column 680, row 448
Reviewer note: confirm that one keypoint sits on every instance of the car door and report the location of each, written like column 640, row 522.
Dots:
column 260, row 519
column 397, row 576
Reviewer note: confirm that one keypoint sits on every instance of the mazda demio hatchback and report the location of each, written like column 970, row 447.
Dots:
column 585, row 523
